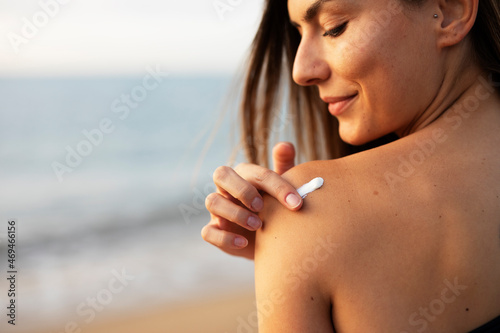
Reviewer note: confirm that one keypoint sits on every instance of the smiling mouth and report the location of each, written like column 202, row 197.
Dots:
column 337, row 106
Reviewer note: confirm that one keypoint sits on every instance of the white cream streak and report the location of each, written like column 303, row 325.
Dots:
column 313, row 185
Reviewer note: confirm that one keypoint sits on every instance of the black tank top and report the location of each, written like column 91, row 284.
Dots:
column 490, row 327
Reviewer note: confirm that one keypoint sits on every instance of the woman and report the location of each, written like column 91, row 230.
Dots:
column 404, row 237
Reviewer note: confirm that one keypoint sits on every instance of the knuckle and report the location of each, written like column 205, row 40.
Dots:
column 264, row 175
column 205, row 232
column 245, row 193
column 210, row 235
column 219, row 239
column 215, row 236
column 282, row 189
column 221, row 173
column 240, row 167
column 238, row 215
column 211, row 200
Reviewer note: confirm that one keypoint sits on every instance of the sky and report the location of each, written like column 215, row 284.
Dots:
column 123, row 37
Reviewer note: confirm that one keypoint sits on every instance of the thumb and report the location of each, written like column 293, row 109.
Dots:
column 283, row 157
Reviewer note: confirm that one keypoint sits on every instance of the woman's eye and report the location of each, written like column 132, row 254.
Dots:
column 335, row 32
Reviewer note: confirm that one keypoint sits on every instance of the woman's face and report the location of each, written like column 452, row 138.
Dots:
column 375, row 62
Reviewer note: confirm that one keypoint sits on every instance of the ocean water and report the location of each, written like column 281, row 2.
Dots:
column 103, row 177
column 146, row 162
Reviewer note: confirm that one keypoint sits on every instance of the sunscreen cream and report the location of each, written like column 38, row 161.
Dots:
column 313, row 185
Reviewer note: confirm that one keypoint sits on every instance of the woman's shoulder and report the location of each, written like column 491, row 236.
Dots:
column 351, row 185
column 335, row 212
column 302, row 257
column 291, row 252
column 354, row 210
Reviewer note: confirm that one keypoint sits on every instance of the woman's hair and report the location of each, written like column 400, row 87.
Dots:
column 269, row 77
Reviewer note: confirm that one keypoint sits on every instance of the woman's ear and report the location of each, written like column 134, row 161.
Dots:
column 456, row 18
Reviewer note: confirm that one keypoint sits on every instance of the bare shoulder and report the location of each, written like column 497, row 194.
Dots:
column 281, row 227
column 295, row 251
column 337, row 212
column 279, row 222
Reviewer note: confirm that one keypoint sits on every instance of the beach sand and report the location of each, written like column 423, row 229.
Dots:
column 223, row 314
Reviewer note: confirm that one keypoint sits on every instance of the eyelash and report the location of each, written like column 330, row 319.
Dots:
column 337, row 31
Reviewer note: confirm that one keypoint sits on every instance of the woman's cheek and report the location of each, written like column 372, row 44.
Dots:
column 361, row 52
column 354, row 64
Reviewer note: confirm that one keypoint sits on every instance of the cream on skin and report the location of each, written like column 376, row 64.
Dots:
column 312, row 186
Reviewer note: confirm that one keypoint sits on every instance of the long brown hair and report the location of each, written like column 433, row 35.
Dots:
column 269, row 77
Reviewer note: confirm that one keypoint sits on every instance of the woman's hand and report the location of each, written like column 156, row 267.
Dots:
column 235, row 205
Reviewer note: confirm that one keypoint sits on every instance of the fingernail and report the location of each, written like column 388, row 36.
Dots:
column 253, row 222
column 257, row 204
column 293, row 200
column 240, row 242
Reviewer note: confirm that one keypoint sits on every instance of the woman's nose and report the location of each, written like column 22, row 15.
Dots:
column 309, row 67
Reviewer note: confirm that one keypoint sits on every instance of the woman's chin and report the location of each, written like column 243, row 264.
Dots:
column 354, row 137
column 358, row 136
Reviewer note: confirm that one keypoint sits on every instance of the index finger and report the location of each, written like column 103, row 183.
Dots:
column 271, row 183
column 229, row 181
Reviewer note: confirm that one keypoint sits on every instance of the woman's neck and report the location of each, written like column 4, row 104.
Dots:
column 475, row 97
column 460, row 80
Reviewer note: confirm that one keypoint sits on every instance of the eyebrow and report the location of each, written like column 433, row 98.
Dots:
column 311, row 12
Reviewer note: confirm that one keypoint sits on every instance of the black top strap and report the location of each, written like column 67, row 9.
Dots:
column 490, row 327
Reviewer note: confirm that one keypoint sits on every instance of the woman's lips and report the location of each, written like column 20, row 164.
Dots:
column 337, row 106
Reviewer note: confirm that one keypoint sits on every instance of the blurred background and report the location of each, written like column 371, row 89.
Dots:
column 114, row 114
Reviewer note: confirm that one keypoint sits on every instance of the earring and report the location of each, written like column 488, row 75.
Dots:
column 436, row 16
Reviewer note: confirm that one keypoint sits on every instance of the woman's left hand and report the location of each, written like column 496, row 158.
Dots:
column 237, row 201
